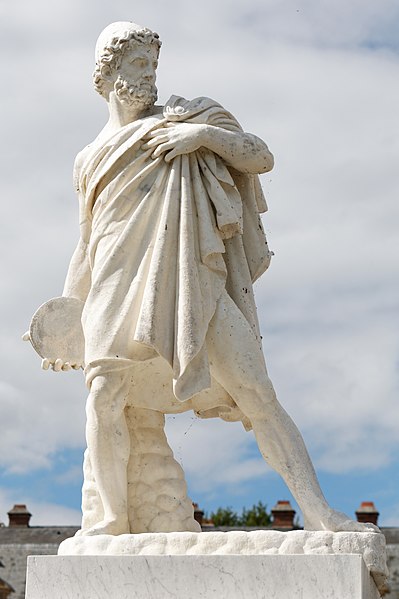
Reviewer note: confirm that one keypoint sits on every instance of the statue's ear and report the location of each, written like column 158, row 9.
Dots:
column 108, row 76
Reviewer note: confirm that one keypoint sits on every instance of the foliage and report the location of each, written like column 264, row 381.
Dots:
column 257, row 515
column 225, row 516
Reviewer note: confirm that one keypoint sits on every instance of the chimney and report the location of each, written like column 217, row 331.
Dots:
column 283, row 515
column 367, row 512
column 198, row 514
column 19, row 515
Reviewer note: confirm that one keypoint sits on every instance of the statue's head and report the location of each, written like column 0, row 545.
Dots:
column 126, row 62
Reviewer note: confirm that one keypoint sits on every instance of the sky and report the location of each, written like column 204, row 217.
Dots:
column 319, row 82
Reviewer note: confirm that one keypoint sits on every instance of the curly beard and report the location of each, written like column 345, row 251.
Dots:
column 139, row 93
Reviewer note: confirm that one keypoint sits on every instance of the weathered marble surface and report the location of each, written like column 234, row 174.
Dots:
column 200, row 577
column 171, row 242
column 393, row 567
column 370, row 546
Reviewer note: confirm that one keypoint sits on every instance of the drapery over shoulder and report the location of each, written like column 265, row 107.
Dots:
column 164, row 240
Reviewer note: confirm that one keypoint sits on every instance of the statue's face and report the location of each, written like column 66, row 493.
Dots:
column 139, row 64
column 135, row 83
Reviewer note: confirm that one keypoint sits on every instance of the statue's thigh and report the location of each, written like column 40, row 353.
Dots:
column 235, row 355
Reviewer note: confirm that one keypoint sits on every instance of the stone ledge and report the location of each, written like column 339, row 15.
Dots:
column 371, row 546
column 200, row 577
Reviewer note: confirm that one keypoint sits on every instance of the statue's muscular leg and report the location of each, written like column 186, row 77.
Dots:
column 237, row 363
column 108, row 444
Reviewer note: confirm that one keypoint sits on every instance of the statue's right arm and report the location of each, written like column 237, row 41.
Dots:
column 77, row 285
column 78, row 279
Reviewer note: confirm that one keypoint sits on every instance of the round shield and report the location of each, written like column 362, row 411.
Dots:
column 56, row 330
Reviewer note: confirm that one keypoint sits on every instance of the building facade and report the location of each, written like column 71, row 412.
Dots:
column 18, row 540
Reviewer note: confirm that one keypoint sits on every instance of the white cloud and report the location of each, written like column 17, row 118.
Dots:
column 214, row 453
column 51, row 514
column 329, row 303
column 43, row 513
column 306, row 82
column 39, row 418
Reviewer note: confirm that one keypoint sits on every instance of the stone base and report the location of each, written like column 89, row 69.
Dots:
column 200, row 577
column 370, row 546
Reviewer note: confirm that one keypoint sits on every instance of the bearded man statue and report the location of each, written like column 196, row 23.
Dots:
column 171, row 242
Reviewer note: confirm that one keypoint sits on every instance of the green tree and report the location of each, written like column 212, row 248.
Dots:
column 225, row 516
column 257, row 515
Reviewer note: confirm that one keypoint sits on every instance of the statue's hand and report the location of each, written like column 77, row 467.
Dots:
column 56, row 365
column 175, row 139
column 59, row 365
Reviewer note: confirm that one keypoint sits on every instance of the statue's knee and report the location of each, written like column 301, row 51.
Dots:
column 262, row 399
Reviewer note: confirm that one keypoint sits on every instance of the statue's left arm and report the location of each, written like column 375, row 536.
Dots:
column 245, row 152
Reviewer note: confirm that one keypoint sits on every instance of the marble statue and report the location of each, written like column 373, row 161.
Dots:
column 159, row 297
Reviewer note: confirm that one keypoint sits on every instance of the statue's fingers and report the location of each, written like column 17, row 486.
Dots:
column 172, row 154
column 58, row 364
column 66, row 366
column 76, row 366
column 161, row 149
column 26, row 336
column 156, row 132
column 148, row 145
column 155, row 142
column 46, row 363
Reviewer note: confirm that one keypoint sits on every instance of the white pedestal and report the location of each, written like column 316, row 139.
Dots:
column 200, row 577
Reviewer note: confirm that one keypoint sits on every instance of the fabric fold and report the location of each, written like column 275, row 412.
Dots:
column 164, row 241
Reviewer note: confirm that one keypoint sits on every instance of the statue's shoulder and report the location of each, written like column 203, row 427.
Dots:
column 80, row 156
column 179, row 107
column 79, row 161
column 89, row 150
column 202, row 110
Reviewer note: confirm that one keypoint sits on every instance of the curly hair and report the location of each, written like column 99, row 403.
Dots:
column 112, row 53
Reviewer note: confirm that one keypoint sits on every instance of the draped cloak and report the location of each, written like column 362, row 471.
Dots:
column 164, row 241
